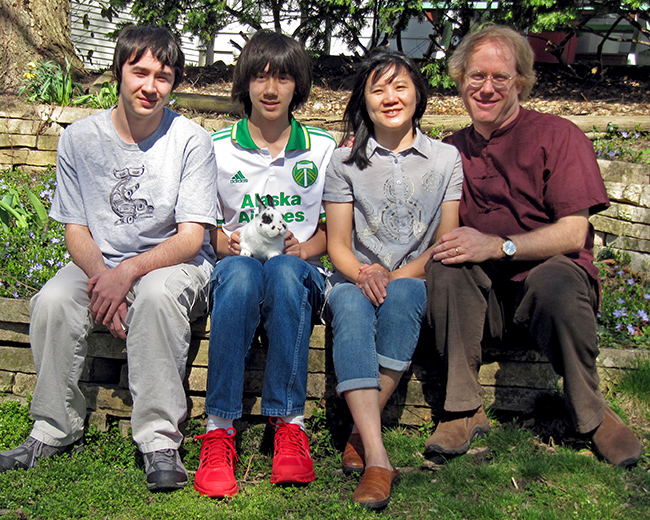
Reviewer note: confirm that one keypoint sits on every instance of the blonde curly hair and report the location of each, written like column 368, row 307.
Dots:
column 506, row 36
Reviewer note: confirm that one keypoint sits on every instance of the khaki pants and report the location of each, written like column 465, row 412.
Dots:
column 161, row 305
column 471, row 305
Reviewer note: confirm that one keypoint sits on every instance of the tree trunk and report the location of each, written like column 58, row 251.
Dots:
column 31, row 30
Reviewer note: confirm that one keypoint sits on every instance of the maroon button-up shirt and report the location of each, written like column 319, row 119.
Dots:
column 529, row 174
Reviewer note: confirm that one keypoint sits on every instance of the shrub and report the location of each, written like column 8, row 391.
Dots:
column 622, row 145
column 47, row 82
column 623, row 318
column 15, row 424
column 32, row 248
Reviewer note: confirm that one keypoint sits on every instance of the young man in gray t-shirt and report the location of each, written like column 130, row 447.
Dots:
column 137, row 194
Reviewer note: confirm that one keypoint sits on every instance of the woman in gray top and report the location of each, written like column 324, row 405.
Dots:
column 387, row 198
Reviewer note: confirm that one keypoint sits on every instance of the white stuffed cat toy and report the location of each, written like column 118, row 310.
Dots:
column 263, row 237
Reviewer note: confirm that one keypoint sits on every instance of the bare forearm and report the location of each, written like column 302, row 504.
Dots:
column 182, row 247
column 84, row 250
column 567, row 235
column 316, row 246
column 415, row 268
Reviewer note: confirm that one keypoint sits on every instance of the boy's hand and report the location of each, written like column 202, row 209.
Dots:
column 233, row 244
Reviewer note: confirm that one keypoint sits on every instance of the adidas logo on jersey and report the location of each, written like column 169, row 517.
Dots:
column 238, row 178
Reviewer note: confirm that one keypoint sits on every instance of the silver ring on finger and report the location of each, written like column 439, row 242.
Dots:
column 457, row 252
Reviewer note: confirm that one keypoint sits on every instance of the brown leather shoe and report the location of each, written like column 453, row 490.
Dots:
column 354, row 455
column 374, row 488
column 456, row 432
column 615, row 443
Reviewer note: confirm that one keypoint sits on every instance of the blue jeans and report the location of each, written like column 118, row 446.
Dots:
column 366, row 337
column 285, row 293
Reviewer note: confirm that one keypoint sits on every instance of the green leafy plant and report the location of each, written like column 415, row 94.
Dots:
column 622, row 145
column 435, row 71
column 15, row 424
column 11, row 207
column 321, row 439
column 623, row 318
column 105, row 98
column 47, row 82
column 32, row 247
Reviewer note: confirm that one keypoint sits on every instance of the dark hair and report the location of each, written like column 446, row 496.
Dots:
column 134, row 41
column 356, row 118
column 283, row 55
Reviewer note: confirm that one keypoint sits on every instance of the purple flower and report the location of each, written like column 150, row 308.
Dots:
column 642, row 314
column 630, row 282
column 620, row 272
column 55, row 240
column 620, row 301
column 66, row 256
column 631, row 329
column 636, row 135
column 618, row 313
column 646, row 296
column 625, row 134
column 612, row 153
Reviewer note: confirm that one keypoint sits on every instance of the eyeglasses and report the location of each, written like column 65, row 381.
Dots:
column 500, row 80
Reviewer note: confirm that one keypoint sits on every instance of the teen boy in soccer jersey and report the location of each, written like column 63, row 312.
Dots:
column 267, row 154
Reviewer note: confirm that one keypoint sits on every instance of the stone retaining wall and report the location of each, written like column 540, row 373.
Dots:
column 512, row 381
column 625, row 225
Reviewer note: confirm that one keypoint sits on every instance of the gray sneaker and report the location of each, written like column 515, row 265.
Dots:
column 164, row 469
column 28, row 454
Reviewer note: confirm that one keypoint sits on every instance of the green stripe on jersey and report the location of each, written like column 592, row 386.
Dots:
column 222, row 134
column 314, row 130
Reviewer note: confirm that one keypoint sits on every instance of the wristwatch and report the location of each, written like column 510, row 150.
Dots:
column 509, row 248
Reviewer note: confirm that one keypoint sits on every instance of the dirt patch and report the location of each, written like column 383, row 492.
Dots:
column 621, row 91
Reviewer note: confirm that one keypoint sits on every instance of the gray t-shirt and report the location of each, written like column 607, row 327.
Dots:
column 397, row 199
column 132, row 196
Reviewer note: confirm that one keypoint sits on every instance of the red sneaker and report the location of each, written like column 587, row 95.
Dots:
column 216, row 474
column 292, row 462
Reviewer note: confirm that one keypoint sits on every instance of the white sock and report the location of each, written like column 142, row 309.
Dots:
column 215, row 422
column 295, row 419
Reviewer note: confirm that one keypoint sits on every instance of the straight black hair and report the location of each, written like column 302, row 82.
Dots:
column 283, row 55
column 357, row 121
column 135, row 40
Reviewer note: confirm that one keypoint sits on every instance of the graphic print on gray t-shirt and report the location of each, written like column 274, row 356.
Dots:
column 122, row 202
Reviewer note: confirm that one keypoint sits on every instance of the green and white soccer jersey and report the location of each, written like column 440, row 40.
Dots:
column 295, row 178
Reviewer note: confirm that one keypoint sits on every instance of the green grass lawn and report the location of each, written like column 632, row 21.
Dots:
column 520, row 470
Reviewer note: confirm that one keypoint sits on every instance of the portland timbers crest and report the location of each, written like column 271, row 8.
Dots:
column 305, row 173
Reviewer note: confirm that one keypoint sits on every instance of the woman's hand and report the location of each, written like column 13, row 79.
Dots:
column 373, row 280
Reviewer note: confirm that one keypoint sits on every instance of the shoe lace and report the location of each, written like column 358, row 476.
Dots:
column 218, row 448
column 290, row 439
column 165, row 457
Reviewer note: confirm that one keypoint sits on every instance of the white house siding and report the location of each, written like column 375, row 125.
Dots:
column 96, row 50
column 92, row 44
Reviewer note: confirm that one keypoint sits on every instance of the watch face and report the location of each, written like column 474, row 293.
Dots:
column 509, row 247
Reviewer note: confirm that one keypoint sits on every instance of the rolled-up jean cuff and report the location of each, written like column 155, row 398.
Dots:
column 393, row 364
column 356, row 384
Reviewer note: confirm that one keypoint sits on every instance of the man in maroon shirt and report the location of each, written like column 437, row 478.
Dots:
column 522, row 258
